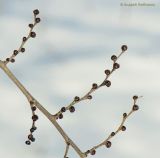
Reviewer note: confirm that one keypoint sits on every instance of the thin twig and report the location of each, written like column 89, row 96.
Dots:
column 121, row 127
column 67, row 149
column 91, row 91
column 24, row 40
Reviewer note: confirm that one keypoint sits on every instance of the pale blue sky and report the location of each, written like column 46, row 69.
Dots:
column 73, row 47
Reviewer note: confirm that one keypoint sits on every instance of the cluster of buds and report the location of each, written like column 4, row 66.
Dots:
column 135, row 107
column 115, row 66
column 108, row 144
column 31, row 34
column 71, row 108
column 33, row 128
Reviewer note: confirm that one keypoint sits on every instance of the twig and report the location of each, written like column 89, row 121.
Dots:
column 121, row 127
column 66, row 151
column 31, row 34
column 95, row 87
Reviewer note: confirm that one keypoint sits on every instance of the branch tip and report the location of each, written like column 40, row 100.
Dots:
column 25, row 38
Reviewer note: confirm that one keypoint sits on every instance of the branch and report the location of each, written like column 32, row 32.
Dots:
column 31, row 34
column 95, row 87
column 121, row 127
column 40, row 107
column 34, row 104
column 32, row 101
column 66, row 151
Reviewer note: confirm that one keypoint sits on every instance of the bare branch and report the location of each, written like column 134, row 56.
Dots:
column 94, row 87
column 66, row 151
column 32, row 101
column 41, row 108
column 34, row 104
column 31, row 34
column 121, row 127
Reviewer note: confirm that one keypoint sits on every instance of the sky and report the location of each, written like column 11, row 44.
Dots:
column 74, row 43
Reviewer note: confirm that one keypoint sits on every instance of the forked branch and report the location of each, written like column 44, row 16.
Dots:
column 41, row 108
column 34, row 104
